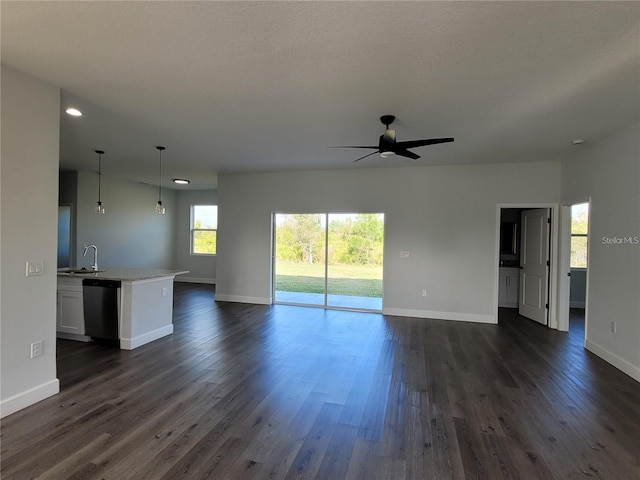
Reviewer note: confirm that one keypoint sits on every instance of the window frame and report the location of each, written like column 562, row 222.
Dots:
column 580, row 235
column 193, row 230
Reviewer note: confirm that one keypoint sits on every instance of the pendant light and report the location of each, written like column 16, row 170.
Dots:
column 99, row 206
column 159, row 208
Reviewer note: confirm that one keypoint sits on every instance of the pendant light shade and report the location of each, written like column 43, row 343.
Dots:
column 99, row 206
column 159, row 208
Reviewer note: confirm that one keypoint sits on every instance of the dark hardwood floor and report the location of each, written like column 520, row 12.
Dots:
column 259, row 392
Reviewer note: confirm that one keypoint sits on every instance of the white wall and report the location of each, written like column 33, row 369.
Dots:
column 202, row 269
column 444, row 216
column 29, row 198
column 130, row 233
column 609, row 173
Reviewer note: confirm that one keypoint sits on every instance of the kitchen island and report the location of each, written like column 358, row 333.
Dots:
column 145, row 302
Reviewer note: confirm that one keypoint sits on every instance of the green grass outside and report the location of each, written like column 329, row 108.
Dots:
column 352, row 280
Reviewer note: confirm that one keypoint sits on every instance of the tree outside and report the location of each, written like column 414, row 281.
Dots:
column 204, row 241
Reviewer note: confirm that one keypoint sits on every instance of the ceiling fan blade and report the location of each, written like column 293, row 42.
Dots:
column 406, row 153
column 355, row 146
column 422, row 143
column 365, row 156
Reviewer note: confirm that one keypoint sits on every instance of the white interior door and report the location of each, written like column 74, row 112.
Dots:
column 534, row 265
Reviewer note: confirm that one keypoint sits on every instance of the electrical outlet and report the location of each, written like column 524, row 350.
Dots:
column 613, row 327
column 424, row 293
column 37, row 349
column 404, row 254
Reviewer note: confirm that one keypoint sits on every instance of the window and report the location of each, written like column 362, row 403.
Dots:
column 204, row 229
column 579, row 231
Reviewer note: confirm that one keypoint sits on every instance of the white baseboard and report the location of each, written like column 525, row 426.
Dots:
column 574, row 304
column 461, row 317
column 620, row 363
column 242, row 299
column 29, row 397
column 181, row 278
column 135, row 342
column 73, row 336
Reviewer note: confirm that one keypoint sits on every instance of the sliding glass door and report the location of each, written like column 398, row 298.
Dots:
column 299, row 258
column 332, row 260
column 354, row 260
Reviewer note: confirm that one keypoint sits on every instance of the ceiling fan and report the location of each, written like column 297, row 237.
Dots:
column 387, row 145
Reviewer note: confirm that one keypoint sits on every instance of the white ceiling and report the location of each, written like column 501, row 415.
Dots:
column 267, row 86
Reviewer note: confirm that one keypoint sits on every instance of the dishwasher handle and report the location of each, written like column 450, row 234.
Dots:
column 98, row 282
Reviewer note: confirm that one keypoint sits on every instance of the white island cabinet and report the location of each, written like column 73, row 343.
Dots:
column 69, row 312
column 145, row 302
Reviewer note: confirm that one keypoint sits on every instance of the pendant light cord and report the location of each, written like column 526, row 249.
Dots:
column 160, row 180
column 160, row 149
column 99, row 178
column 160, row 176
column 99, row 207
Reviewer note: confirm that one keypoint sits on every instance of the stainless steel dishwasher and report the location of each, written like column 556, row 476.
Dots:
column 101, row 306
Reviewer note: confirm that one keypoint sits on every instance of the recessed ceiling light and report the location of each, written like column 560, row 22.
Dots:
column 577, row 141
column 74, row 112
column 181, row 181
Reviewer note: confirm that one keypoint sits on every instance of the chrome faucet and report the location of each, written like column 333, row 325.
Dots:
column 95, row 255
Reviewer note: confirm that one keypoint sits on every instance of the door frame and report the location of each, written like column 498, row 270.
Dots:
column 554, row 232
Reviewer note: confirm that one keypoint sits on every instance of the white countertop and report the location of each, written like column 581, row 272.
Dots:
column 124, row 274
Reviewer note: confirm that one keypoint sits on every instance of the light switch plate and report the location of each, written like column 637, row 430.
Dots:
column 35, row 268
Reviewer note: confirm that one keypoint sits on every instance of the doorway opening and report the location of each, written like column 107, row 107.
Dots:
column 578, row 264
column 330, row 260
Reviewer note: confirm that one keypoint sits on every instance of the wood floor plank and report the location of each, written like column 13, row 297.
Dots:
column 77, row 462
column 245, row 391
column 314, row 447
column 154, row 434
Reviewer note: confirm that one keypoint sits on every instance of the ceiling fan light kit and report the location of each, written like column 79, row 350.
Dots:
column 388, row 146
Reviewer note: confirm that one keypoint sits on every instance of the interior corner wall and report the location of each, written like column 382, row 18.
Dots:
column 609, row 173
column 202, row 268
column 130, row 233
column 30, row 118
column 445, row 217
